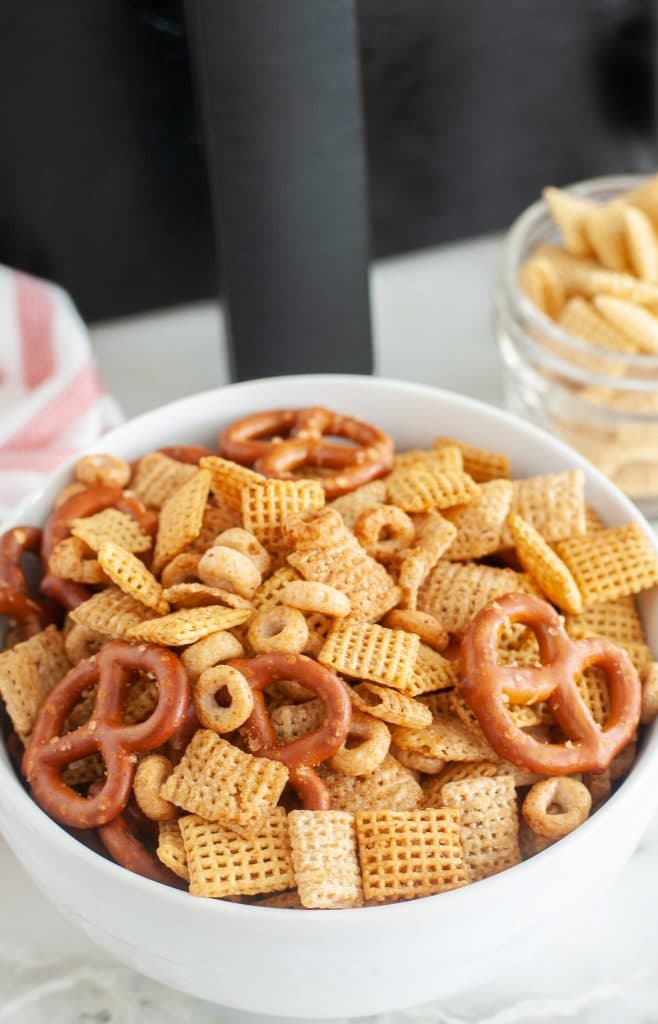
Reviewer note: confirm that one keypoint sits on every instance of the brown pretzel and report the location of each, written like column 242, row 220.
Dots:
column 30, row 616
column 121, row 839
column 13, row 545
column 191, row 453
column 48, row 751
column 58, row 527
column 282, row 441
column 488, row 686
column 303, row 754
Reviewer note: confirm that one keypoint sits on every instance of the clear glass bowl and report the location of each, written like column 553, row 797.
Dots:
column 603, row 403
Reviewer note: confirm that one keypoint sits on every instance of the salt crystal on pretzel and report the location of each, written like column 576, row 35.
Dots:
column 228, row 479
column 480, row 524
column 324, row 857
column 454, row 592
column 187, row 625
column 131, row 576
column 351, row 505
column 223, row 784
column 545, row 567
column 611, row 563
column 111, row 525
column 158, row 477
column 390, row 785
column 421, row 486
column 266, row 506
column 221, row 863
column 181, row 518
column 366, row 651
column 409, row 854
column 28, row 672
column 554, row 504
column 326, row 552
column 488, row 823
column 111, row 612
column 446, row 739
column 171, row 848
column 480, row 463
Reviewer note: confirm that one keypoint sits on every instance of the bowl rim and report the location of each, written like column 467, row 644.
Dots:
column 22, row 805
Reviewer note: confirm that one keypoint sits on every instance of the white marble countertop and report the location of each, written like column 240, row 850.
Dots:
column 432, row 317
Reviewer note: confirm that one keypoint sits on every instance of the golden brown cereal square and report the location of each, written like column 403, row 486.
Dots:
column 324, row 858
column 266, row 506
column 619, row 621
column 611, row 563
column 181, row 518
column 198, row 595
column 447, row 457
column 111, row 612
column 390, row 705
column 223, row 784
column 421, row 486
column 131, row 576
column 480, row 463
column 434, row 536
column 431, row 672
column 352, row 505
column 408, row 854
column 111, row 525
column 593, row 688
column 271, row 591
column 365, row 651
column 554, row 504
column 216, row 518
column 489, row 823
column 227, row 479
column 188, row 625
column 171, row 848
column 455, row 592
column 446, row 739
column 480, row 523
column 158, row 477
column 28, row 672
column 545, row 567
column 291, row 721
column 222, row 864
column 389, row 786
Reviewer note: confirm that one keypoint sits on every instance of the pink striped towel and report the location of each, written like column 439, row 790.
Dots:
column 52, row 401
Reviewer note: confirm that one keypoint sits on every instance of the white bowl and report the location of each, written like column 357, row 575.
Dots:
column 347, row 962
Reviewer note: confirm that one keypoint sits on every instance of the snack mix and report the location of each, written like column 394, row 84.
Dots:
column 305, row 671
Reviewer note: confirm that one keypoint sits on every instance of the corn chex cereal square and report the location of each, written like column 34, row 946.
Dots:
column 221, row 863
column 187, row 625
column 181, row 518
column 479, row 463
column 266, row 506
column 611, row 563
column 324, row 858
column 28, row 672
column 545, row 567
column 131, row 576
column 366, row 651
column 454, row 592
column 421, row 486
column 171, row 848
column 431, row 672
column 408, row 854
column 227, row 479
column 446, row 739
column 480, row 523
column 158, row 477
column 489, row 823
column 351, row 506
column 389, row 786
column 554, row 504
column 271, row 591
column 448, row 457
column 111, row 613
column 291, row 721
column 114, row 526
column 223, row 784
column 618, row 620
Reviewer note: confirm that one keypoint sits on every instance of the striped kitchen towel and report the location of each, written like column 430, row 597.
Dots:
column 52, row 401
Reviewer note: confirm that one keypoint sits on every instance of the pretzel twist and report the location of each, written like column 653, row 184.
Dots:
column 488, row 686
column 301, row 755
column 49, row 751
column 15, row 602
column 279, row 442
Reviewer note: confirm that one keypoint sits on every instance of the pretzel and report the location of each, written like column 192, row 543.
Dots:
column 15, row 601
column 49, row 750
column 119, row 838
column 190, row 453
column 280, row 442
column 487, row 686
column 303, row 754
column 58, row 526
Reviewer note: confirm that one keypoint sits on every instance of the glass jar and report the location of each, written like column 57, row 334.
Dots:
column 603, row 403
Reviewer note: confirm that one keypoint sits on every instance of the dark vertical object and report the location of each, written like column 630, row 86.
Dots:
column 280, row 102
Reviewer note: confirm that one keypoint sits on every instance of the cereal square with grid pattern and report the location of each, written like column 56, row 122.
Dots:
column 366, row 651
column 171, row 848
column 181, row 518
column 455, row 592
column 324, row 859
column 131, row 576
column 431, row 672
column 618, row 620
column 227, row 479
column 158, row 477
column 489, row 823
column 480, row 523
column 611, row 563
column 479, row 463
column 28, row 672
column 350, row 506
column 291, row 721
column 216, row 518
column 113, row 526
column 389, row 786
column 408, row 854
column 421, row 486
column 111, row 613
column 223, row 784
column 266, row 506
column 221, row 863
column 446, row 739
column 554, row 504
